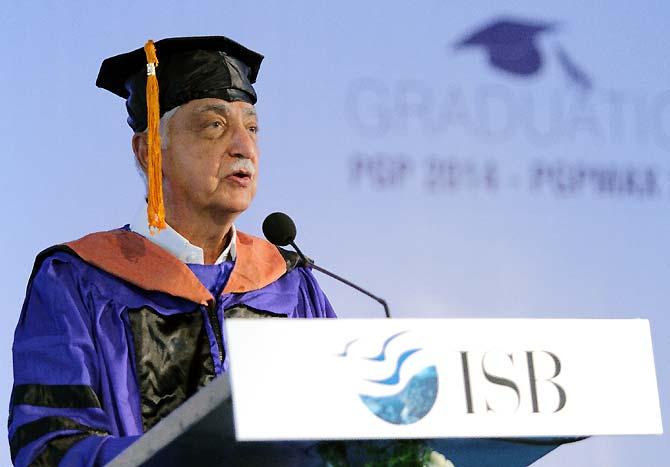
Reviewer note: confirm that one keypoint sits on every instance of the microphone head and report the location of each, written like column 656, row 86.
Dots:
column 279, row 229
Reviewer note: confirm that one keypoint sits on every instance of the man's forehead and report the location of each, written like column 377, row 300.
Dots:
column 221, row 106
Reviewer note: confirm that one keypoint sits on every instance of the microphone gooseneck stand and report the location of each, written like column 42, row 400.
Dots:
column 280, row 230
column 311, row 264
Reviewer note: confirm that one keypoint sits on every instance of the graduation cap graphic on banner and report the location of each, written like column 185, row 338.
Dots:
column 512, row 46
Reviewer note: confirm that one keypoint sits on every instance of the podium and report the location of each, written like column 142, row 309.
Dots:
column 201, row 433
column 287, row 401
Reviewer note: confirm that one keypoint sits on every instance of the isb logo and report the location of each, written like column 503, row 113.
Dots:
column 396, row 379
column 396, row 383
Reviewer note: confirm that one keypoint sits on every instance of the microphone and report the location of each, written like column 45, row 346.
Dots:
column 280, row 230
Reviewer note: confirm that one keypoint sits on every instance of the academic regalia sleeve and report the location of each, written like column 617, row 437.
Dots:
column 56, row 417
column 312, row 301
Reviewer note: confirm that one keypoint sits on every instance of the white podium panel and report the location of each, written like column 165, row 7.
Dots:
column 430, row 378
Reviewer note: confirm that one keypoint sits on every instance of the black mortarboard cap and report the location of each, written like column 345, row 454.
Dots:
column 188, row 68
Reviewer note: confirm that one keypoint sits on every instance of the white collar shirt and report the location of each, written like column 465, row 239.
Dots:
column 170, row 240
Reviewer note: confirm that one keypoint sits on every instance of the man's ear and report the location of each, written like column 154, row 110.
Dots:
column 140, row 148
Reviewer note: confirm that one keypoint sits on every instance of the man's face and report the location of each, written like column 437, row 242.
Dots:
column 210, row 164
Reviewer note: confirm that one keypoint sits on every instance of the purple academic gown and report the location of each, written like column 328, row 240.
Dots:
column 102, row 353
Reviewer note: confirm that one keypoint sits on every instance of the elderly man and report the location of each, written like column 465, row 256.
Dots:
column 120, row 327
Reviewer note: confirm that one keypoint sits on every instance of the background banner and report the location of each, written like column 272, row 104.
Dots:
column 460, row 160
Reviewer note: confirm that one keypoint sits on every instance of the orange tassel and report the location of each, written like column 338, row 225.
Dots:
column 155, row 207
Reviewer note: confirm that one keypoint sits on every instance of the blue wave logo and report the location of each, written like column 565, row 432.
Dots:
column 511, row 46
column 412, row 401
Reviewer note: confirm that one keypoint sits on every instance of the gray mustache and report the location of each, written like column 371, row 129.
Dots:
column 243, row 164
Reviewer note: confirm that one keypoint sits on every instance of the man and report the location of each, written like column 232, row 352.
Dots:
column 120, row 327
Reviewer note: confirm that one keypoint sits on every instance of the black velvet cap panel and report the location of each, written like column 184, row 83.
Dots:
column 188, row 68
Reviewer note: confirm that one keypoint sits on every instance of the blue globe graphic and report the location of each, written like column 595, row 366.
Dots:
column 412, row 402
column 409, row 405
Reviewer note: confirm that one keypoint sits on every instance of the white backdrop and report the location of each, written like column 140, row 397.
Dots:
column 425, row 171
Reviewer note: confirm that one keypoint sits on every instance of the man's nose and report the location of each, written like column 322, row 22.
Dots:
column 243, row 144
